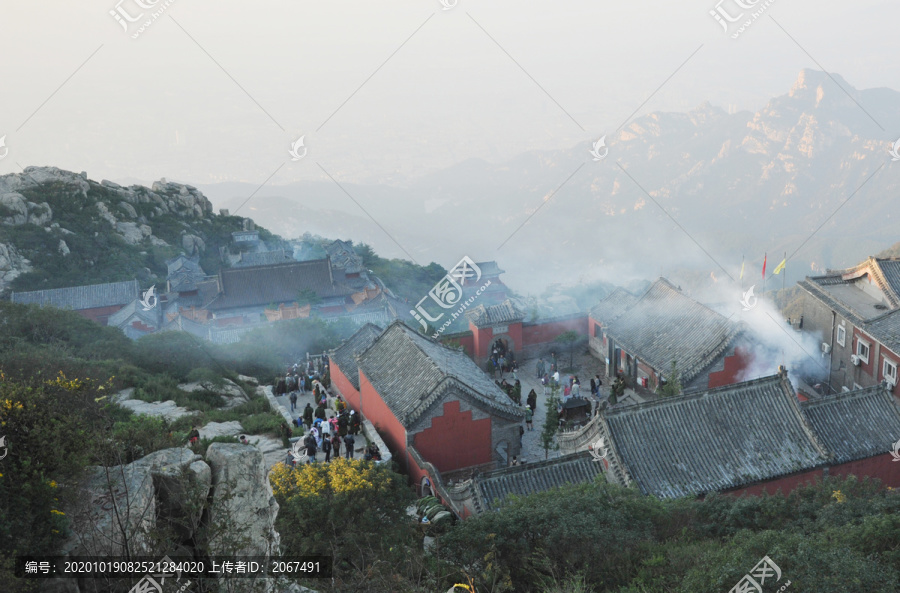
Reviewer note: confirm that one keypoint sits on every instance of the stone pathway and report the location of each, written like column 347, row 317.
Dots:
column 585, row 367
column 302, row 399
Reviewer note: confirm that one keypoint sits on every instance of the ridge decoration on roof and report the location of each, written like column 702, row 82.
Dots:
column 412, row 371
column 665, row 325
column 717, row 440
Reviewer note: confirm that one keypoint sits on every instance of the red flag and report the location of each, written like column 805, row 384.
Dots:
column 765, row 257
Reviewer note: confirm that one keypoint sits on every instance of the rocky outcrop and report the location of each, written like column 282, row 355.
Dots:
column 12, row 265
column 175, row 495
column 114, row 514
column 182, row 481
column 230, row 391
column 167, row 409
column 129, row 211
column 192, row 243
column 15, row 210
column 221, row 429
column 243, row 500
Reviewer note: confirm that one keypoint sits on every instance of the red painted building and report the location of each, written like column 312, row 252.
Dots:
column 342, row 365
column 418, row 392
column 503, row 323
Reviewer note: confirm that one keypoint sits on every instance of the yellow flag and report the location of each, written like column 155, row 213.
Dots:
column 742, row 271
column 780, row 266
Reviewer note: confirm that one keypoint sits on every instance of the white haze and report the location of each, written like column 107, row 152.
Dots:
column 216, row 92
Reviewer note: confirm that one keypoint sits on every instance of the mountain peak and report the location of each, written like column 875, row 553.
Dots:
column 815, row 79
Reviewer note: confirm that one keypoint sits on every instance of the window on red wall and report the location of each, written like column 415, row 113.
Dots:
column 889, row 371
column 862, row 350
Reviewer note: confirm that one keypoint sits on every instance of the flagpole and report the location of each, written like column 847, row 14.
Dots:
column 765, row 257
column 783, row 274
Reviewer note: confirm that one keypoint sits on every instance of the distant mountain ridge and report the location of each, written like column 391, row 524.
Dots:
column 738, row 184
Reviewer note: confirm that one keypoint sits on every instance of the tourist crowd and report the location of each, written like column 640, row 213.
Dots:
column 329, row 427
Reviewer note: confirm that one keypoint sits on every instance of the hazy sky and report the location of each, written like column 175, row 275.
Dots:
column 217, row 91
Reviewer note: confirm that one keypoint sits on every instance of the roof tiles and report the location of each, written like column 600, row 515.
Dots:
column 665, row 325
column 411, row 372
column 83, row 297
column 717, row 440
column 855, row 425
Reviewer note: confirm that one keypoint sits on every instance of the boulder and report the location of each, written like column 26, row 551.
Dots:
column 221, row 429
column 250, row 380
column 233, row 395
column 106, row 215
column 128, row 209
column 114, row 512
column 63, row 248
column 181, row 481
column 13, row 209
column 39, row 214
column 167, row 409
column 192, row 243
column 273, row 450
column 12, row 265
column 242, row 502
column 130, row 232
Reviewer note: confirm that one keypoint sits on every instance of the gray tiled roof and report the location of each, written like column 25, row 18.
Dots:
column 855, row 425
column 618, row 301
column 531, row 478
column 890, row 269
column 884, row 273
column 279, row 283
column 183, row 273
column 411, row 372
column 343, row 256
column 345, row 356
column 721, row 439
column 885, row 327
column 83, row 297
column 134, row 308
column 666, row 325
column 263, row 258
column 505, row 312
column 489, row 268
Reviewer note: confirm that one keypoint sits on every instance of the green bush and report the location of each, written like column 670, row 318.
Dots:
column 269, row 423
column 139, row 436
column 207, row 376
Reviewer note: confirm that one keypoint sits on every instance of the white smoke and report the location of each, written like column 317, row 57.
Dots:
column 771, row 340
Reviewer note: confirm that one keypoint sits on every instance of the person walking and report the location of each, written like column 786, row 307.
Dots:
column 336, row 444
column 349, row 441
column 326, row 446
column 310, row 442
column 532, row 400
column 308, row 416
column 293, row 399
column 529, row 417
